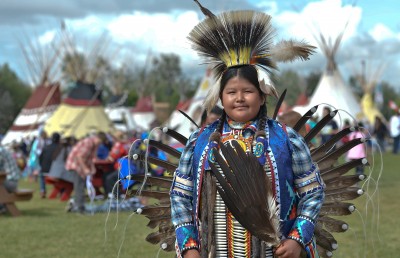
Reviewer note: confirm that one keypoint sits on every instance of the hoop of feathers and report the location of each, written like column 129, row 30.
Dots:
column 247, row 192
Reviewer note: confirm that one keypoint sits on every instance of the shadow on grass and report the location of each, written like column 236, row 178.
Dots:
column 36, row 212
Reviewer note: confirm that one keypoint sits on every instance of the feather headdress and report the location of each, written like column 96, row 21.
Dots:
column 237, row 38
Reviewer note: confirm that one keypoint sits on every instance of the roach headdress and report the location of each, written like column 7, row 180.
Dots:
column 237, row 38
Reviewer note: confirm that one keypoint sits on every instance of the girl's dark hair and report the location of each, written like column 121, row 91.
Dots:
column 247, row 72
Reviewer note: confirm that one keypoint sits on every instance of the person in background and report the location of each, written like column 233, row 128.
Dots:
column 395, row 131
column 330, row 129
column 80, row 162
column 118, row 150
column 358, row 151
column 10, row 167
column 18, row 155
column 380, row 132
column 46, row 159
column 35, row 151
column 215, row 113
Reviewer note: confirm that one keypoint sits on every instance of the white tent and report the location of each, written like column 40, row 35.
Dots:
column 179, row 122
column 38, row 109
column 143, row 114
column 42, row 64
column 119, row 114
column 331, row 89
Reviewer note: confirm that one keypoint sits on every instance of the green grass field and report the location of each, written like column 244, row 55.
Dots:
column 46, row 230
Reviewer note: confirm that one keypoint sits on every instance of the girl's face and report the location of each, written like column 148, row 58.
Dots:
column 241, row 100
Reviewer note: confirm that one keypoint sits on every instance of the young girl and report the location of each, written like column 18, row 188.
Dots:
column 236, row 42
column 288, row 165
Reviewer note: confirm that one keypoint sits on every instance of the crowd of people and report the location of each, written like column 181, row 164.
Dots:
column 70, row 166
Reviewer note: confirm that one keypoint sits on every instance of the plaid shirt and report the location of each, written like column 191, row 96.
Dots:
column 302, row 165
column 9, row 165
column 85, row 148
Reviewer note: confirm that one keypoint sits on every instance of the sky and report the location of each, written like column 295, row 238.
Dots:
column 137, row 28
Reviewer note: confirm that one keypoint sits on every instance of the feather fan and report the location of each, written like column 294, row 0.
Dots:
column 247, row 192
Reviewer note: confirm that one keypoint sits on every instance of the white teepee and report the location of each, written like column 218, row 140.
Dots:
column 179, row 122
column 43, row 67
column 331, row 89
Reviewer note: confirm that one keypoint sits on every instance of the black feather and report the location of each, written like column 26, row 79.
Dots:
column 336, row 209
column 318, row 127
column 317, row 153
column 166, row 148
column 343, row 182
column 158, row 162
column 174, row 134
column 339, row 195
column 332, row 173
column 322, row 252
column 189, row 118
column 164, row 182
column 333, row 225
column 159, row 195
column 325, row 239
column 155, row 210
column 155, row 221
column 204, row 10
column 302, row 121
column 158, row 237
column 328, row 160
column 278, row 105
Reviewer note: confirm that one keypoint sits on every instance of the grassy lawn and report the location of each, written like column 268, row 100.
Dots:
column 46, row 230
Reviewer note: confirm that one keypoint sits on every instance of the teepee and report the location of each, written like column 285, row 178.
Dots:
column 119, row 113
column 368, row 84
column 331, row 89
column 143, row 114
column 117, row 108
column 46, row 96
column 194, row 108
column 82, row 112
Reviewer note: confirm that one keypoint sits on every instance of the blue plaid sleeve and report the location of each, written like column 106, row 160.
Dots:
column 9, row 165
column 181, row 195
column 309, row 187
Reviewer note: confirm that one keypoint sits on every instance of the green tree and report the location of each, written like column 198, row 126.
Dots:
column 312, row 81
column 13, row 96
column 291, row 81
column 389, row 94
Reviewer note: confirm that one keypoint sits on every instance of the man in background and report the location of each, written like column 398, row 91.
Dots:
column 80, row 162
